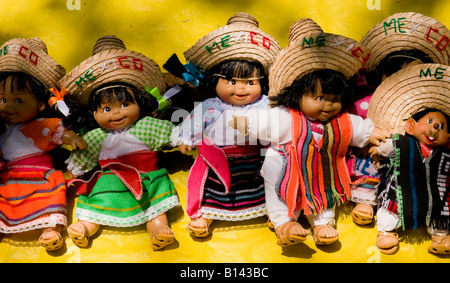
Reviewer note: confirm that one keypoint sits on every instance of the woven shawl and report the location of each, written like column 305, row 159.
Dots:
column 316, row 176
column 423, row 185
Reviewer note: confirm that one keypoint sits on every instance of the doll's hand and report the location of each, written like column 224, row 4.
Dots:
column 378, row 136
column 72, row 139
column 184, row 148
column 239, row 123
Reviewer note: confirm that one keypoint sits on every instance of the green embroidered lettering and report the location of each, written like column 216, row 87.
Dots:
column 385, row 24
column 4, row 51
column 224, row 41
column 212, row 46
column 320, row 40
column 310, row 42
column 426, row 74
column 439, row 73
column 80, row 81
column 400, row 25
column 89, row 75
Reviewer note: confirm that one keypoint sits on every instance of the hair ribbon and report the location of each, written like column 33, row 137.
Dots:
column 57, row 97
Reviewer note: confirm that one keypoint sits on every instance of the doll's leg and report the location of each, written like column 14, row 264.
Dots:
column 51, row 238
column 161, row 234
column 323, row 227
column 81, row 231
column 387, row 238
column 199, row 227
column 288, row 230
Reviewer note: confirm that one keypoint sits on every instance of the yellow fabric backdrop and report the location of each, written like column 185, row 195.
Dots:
column 159, row 29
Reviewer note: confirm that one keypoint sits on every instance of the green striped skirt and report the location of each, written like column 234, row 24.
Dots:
column 111, row 203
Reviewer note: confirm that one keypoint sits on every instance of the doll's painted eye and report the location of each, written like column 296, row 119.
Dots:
column 18, row 100
column 320, row 98
column 124, row 105
column 250, row 83
column 430, row 120
column 232, row 82
column 3, row 100
column 442, row 126
column 106, row 109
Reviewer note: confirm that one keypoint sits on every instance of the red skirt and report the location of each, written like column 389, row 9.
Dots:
column 32, row 200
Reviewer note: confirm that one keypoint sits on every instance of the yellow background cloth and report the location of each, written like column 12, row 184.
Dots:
column 158, row 29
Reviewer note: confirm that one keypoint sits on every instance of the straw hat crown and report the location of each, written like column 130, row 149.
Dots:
column 30, row 56
column 407, row 91
column 310, row 49
column 405, row 31
column 111, row 63
column 240, row 39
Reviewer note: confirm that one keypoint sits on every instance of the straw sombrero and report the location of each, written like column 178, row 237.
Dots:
column 406, row 92
column 110, row 63
column 240, row 39
column 310, row 49
column 30, row 56
column 408, row 31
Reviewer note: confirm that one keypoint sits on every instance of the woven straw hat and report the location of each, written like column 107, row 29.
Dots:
column 110, row 63
column 240, row 39
column 406, row 92
column 30, row 56
column 408, row 31
column 310, row 49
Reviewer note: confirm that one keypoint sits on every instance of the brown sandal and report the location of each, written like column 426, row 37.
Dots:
column 161, row 240
column 54, row 243
column 440, row 245
column 199, row 232
column 286, row 238
column 387, row 242
column 362, row 218
column 323, row 240
column 79, row 239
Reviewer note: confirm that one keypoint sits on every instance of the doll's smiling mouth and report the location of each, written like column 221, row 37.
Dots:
column 429, row 140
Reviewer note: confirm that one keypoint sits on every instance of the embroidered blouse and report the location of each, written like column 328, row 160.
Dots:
column 147, row 133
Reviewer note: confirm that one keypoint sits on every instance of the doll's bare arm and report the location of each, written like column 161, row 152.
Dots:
column 72, row 139
column 239, row 123
column 377, row 136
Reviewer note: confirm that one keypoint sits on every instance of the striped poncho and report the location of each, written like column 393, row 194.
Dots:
column 417, row 188
column 315, row 174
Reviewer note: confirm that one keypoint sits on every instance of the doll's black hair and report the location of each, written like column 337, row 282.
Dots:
column 419, row 115
column 240, row 69
column 332, row 82
column 81, row 119
column 394, row 61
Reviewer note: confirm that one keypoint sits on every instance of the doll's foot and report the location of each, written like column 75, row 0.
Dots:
column 80, row 232
column 290, row 233
column 199, row 227
column 362, row 214
column 162, row 237
column 440, row 245
column 51, row 239
column 387, row 242
column 325, row 234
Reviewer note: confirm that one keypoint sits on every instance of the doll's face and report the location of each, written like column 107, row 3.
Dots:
column 18, row 106
column 117, row 115
column 239, row 91
column 431, row 129
column 320, row 106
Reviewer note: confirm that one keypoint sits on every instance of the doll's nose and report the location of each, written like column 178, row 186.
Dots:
column 436, row 126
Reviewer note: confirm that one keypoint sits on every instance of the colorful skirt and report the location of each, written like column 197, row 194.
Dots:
column 32, row 200
column 246, row 198
column 111, row 203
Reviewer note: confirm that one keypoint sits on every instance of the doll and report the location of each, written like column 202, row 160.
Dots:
column 224, row 181
column 32, row 192
column 415, row 163
column 399, row 41
column 310, row 131
column 130, row 189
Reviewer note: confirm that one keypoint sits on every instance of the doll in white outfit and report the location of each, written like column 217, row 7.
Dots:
column 310, row 131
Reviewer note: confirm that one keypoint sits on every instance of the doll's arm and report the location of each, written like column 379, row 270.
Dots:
column 385, row 149
column 71, row 138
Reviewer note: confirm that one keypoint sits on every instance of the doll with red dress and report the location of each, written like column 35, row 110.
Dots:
column 413, row 105
column 32, row 192
column 224, row 182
